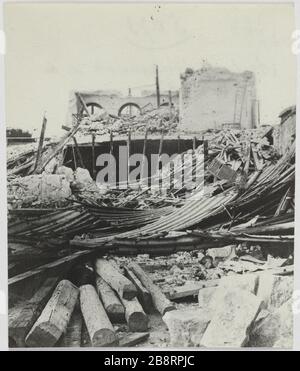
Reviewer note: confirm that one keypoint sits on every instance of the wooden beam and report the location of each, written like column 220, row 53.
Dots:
column 190, row 290
column 99, row 327
column 47, row 267
column 74, row 158
column 144, row 156
column 157, row 87
column 143, row 294
column 160, row 302
column 115, row 279
column 112, row 305
column 78, row 153
column 194, row 144
column 65, row 139
column 170, row 106
column 41, row 143
column 111, row 142
column 135, row 316
column 84, row 106
column 93, row 156
column 55, row 317
column 22, row 317
column 128, row 156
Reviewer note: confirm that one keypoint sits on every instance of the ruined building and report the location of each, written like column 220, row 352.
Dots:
column 114, row 103
column 215, row 98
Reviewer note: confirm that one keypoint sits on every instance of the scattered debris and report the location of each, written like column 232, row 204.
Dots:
column 197, row 266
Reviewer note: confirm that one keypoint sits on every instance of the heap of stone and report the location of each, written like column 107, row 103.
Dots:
column 37, row 190
column 155, row 121
column 253, row 310
column 54, row 187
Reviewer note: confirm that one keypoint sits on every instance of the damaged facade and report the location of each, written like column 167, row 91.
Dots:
column 116, row 104
column 213, row 98
column 285, row 132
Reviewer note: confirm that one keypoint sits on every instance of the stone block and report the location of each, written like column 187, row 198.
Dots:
column 187, row 326
column 235, row 311
column 276, row 330
column 275, row 290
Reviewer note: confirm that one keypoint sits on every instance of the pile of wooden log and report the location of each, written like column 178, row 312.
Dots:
column 82, row 308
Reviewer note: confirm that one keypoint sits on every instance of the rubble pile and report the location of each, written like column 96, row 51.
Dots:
column 123, row 302
column 237, row 314
column 155, row 122
column 13, row 151
column 36, row 190
column 209, row 265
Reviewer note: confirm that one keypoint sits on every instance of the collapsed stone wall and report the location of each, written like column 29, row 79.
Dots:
column 284, row 134
column 49, row 188
column 211, row 97
column 40, row 189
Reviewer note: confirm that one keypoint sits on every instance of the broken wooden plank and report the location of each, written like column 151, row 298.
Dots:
column 115, row 279
column 84, row 106
column 93, row 157
column 81, row 162
column 55, row 317
column 100, row 329
column 191, row 289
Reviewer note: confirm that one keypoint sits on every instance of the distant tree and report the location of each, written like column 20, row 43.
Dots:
column 17, row 133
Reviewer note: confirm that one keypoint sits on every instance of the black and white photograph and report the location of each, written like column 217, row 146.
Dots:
column 149, row 195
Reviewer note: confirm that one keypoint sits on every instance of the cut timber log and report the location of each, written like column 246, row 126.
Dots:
column 85, row 337
column 111, row 302
column 135, row 316
column 78, row 153
column 142, row 293
column 99, row 327
column 160, row 302
column 72, row 337
column 55, row 317
column 131, row 340
column 22, row 317
column 115, row 279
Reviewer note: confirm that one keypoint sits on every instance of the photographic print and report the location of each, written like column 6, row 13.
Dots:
column 150, row 176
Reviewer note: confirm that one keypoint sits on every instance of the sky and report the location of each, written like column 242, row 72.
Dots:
column 53, row 49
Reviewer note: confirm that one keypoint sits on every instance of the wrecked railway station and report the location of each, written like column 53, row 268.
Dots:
column 166, row 226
